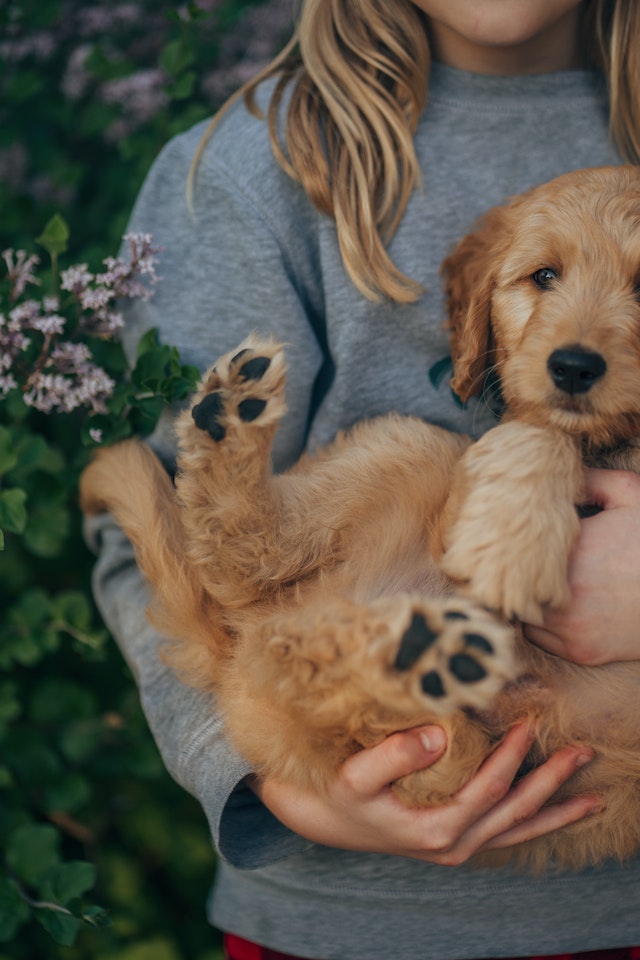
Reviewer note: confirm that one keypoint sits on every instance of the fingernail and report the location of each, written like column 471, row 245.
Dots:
column 433, row 739
column 583, row 758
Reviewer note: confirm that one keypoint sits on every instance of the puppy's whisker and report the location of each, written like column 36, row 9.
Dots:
column 489, row 389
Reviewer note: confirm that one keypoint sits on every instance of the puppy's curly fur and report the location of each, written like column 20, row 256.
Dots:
column 350, row 597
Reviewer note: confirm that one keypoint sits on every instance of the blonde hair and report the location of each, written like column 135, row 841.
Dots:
column 358, row 73
column 612, row 35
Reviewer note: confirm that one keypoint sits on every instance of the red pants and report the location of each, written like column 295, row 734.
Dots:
column 235, row 948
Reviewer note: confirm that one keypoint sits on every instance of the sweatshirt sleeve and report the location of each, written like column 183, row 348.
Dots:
column 225, row 271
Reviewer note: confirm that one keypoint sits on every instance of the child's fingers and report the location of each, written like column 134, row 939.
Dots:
column 370, row 771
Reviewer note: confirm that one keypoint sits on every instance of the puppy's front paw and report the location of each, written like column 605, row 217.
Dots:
column 515, row 521
column 514, row 579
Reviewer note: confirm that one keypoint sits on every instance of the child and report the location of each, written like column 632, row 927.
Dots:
column 391, row 126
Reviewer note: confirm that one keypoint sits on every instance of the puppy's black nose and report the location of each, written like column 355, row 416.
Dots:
column 575, row 370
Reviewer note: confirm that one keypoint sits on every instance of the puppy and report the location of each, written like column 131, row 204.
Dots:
column 375, row 586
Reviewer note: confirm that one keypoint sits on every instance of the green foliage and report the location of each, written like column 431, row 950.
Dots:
column 101, row 855
column 91, row 89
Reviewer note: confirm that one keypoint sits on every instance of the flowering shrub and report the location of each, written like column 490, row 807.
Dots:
column 91, row 89
column 102, row 857
column 47, row 358
column 41, row 347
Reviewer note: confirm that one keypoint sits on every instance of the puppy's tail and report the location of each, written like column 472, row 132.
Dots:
column 129, row 481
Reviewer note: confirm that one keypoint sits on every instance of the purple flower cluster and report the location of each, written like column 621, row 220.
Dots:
column 43, row 341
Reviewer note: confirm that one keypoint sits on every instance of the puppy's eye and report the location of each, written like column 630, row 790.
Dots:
column 544, row 278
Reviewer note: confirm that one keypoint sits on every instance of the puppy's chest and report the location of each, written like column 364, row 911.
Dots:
column 415, row 573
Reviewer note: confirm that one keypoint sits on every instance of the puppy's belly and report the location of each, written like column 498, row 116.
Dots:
column 415, row 575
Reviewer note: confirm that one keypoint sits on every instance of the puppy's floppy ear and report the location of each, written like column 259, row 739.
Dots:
column 469, row 275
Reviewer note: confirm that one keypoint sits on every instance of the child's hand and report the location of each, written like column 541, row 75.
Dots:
column 601, row 622
column 360, row 812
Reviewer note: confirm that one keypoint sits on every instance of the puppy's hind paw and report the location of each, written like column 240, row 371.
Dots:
column 244, row 389
column 464, row 655
column 448, row 654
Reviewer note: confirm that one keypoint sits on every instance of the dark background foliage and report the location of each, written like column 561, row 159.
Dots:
column 101, row 855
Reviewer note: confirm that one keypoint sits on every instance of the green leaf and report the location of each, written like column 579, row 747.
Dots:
column 61, row 926
column 47, row 529
column 96, row 916
column 184, row 86
column 176, row 57
column 34, row 453
column 55, row 236
column 151, row 366
column 32, row 851
column 68, row 793
column 195, row 12
column 148, row 341
column 14, row 912
column 69, row 881
column 56, row 700
column 10, row 706
column 6, row 778
column 72, row 608
column 13, row 511
column 8, row 455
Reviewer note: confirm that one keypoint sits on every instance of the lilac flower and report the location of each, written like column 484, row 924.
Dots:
column 24, row 315
column 77, row 78
column 7, row 380
column 140, row 95
column 51, row 325
column 69, row 357
column 88, row 386
column 95, row 298
column 97, row 20
column 76, row 279
column 59, row 375
column 12, row 339
column 39, row 45
column 7, row 383
column 20, row 271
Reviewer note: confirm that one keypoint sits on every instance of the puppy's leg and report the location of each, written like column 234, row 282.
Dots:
column 515, row 519
column 345, row 675
column 224, row 484
column 252, row 535
column 129, row 481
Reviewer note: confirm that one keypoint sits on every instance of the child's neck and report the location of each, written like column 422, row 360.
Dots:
column 555, row 49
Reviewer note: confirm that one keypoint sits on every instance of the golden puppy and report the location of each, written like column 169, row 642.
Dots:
column 350, row 597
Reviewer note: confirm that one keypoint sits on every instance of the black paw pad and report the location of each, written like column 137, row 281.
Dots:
column 478, row 641
column 415, row 640
column 255, row 369
column 432, row 684
column 250, row 409
column 239, row 355
column 466, row 669
column 455, row 615
column 206, row 413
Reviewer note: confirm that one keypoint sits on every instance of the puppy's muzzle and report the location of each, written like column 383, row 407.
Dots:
column 575, row 370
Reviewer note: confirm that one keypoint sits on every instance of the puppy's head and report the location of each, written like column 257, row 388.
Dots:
column 545, row 293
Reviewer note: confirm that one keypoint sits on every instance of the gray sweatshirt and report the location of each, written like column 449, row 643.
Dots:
column 255, row 255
